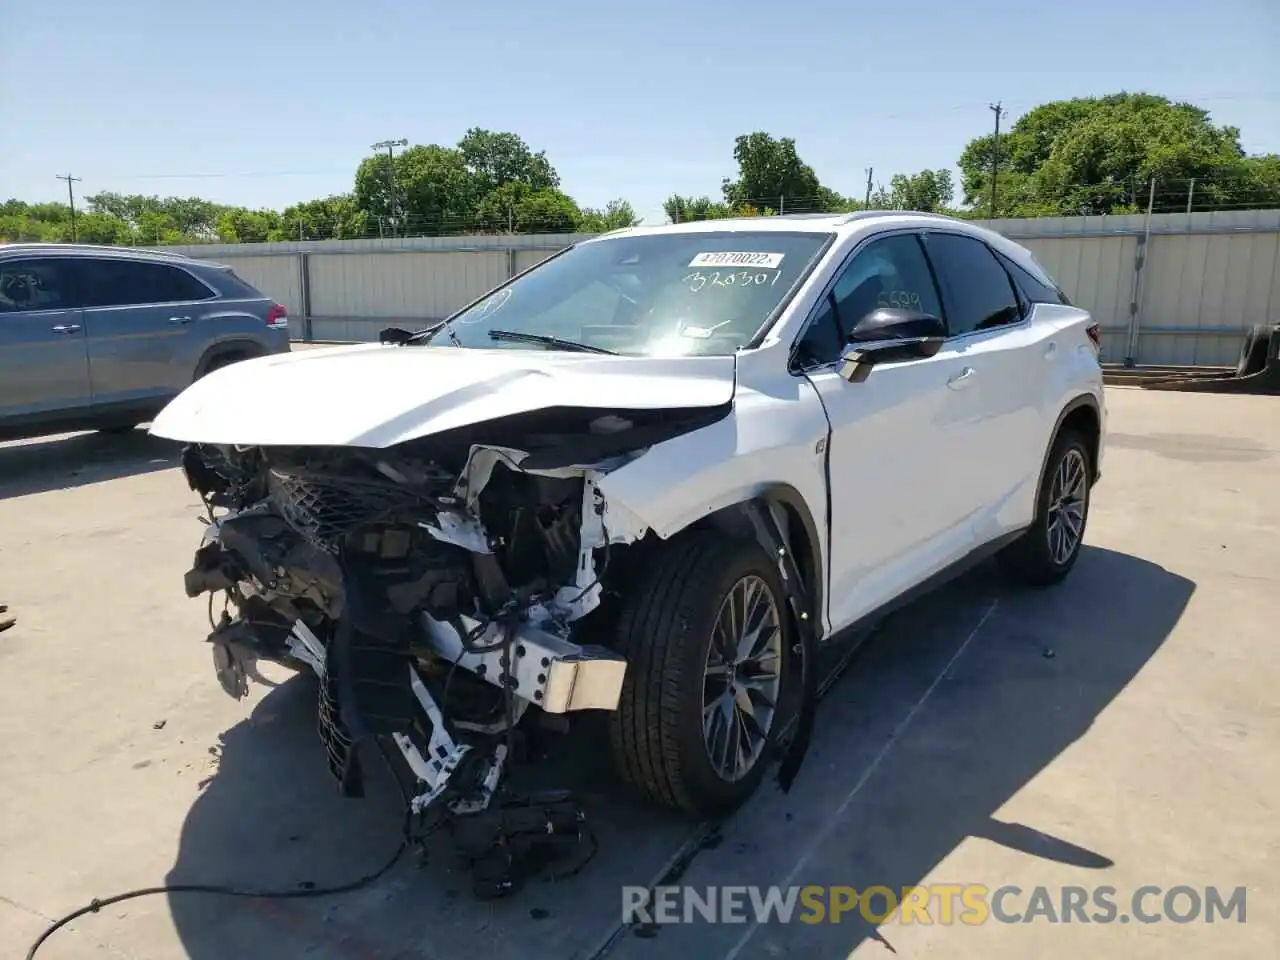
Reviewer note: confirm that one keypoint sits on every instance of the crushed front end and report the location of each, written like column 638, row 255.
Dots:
column 446, row 592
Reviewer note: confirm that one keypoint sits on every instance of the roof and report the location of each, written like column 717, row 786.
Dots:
column 793, row 222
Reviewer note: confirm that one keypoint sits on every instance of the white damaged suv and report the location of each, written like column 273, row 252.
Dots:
column 652, row 476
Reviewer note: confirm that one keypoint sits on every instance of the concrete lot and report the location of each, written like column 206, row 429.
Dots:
column 1122, row 729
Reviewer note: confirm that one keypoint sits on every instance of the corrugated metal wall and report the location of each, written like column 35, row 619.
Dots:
column 1200, row 279
column 1097, row 274
column 278, row 277
column 353, row 295
column 1201, row 291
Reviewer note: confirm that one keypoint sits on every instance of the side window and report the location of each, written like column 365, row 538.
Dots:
column 44, row 284
column 978, row 293
column 890, row 272
column 1032, row 287
column 118, row 283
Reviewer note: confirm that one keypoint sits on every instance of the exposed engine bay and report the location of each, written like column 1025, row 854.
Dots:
column 447, row 592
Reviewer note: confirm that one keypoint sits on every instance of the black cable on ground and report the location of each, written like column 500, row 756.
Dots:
column 218, row 890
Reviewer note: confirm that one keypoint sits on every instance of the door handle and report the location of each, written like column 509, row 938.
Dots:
column 67, row 328
column 961, row 379
column 179, row 321
column 1050, row 350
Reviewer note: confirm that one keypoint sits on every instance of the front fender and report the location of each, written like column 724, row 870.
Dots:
column 772, row 446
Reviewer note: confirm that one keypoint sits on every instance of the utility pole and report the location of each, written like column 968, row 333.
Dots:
column 71, row 200
column 393, row 202
column 870, row 171
column 998, row 109
column 1191, row 192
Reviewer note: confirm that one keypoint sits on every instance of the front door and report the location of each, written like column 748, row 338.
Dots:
column 43, row 360
column 899, row 505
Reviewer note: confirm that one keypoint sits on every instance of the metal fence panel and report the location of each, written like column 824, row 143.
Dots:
column 1202, row 292
column 420, row 285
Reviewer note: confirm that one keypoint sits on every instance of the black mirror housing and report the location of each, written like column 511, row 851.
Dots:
column 889, row 334
column 895, row 323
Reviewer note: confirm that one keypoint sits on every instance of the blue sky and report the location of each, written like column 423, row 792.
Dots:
column 274, row 101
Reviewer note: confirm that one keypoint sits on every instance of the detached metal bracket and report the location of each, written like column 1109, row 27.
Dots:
column 445, row 755
column 770, row 536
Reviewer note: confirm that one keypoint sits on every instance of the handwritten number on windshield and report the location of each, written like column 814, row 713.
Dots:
column 697, row 281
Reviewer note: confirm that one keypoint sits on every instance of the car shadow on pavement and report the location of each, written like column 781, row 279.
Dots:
column 957, row 705
column 78, row 459
column 272, row 818
column 892, row 785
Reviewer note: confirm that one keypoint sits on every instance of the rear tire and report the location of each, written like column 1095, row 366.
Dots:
column 1048, row 549
column 666, row 739
column 221, row 360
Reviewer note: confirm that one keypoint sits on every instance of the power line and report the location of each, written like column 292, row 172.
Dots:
column 71, row 199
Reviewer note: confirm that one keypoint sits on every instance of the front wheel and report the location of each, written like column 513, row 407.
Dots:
column 1047, row 551
column 705, row 636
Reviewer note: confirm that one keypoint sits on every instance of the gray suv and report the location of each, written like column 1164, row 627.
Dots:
column 103, row 337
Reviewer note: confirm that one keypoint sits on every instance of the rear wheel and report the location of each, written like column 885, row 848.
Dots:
column 705, row 637
column 218, row 361
column 1047, row 551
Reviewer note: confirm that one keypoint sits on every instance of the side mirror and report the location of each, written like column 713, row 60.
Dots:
column 889, row 334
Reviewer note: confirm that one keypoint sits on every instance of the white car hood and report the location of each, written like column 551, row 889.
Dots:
column 375, row 395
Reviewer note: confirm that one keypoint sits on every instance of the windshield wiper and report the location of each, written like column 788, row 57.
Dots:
column 401, row 337
column 516, row 336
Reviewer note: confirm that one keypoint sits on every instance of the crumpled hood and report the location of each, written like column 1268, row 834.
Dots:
column 375, row 395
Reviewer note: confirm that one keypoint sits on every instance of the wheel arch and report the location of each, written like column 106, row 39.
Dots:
column 797, row 523
column 241, row 347
column 1082, row 414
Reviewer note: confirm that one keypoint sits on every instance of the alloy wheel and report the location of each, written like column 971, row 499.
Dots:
column 1067, row 498
column 742, row 678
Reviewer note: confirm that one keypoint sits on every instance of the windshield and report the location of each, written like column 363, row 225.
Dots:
column 661, row 295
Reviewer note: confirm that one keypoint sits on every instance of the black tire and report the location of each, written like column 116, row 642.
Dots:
column 665, row 631
column 1030, row 560
column 220, row 360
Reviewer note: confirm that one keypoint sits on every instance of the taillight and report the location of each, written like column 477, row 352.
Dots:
column 1095, row 335
column 277, row 317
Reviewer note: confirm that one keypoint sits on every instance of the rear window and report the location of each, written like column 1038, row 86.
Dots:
column 1037, row 289
column 664, row 294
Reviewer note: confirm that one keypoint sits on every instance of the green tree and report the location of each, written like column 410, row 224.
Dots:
column 329, row 218
column 1099, row 154
column 238, row 225
column 770, row 169
column 495, row 158
column 548, row 211
column 616, row 215
column 929, row 191
column 683, row 209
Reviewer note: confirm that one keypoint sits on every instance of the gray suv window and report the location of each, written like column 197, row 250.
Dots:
column 117, row 283
column 39, row 284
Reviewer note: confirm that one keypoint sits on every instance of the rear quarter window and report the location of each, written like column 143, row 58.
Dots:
column 1037, row 289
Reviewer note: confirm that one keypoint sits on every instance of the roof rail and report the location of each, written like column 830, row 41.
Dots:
column 872, row 214
column 94, row 248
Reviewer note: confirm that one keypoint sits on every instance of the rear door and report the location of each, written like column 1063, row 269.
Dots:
column 43, row 359
column 997, row 399
column 142, row 320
